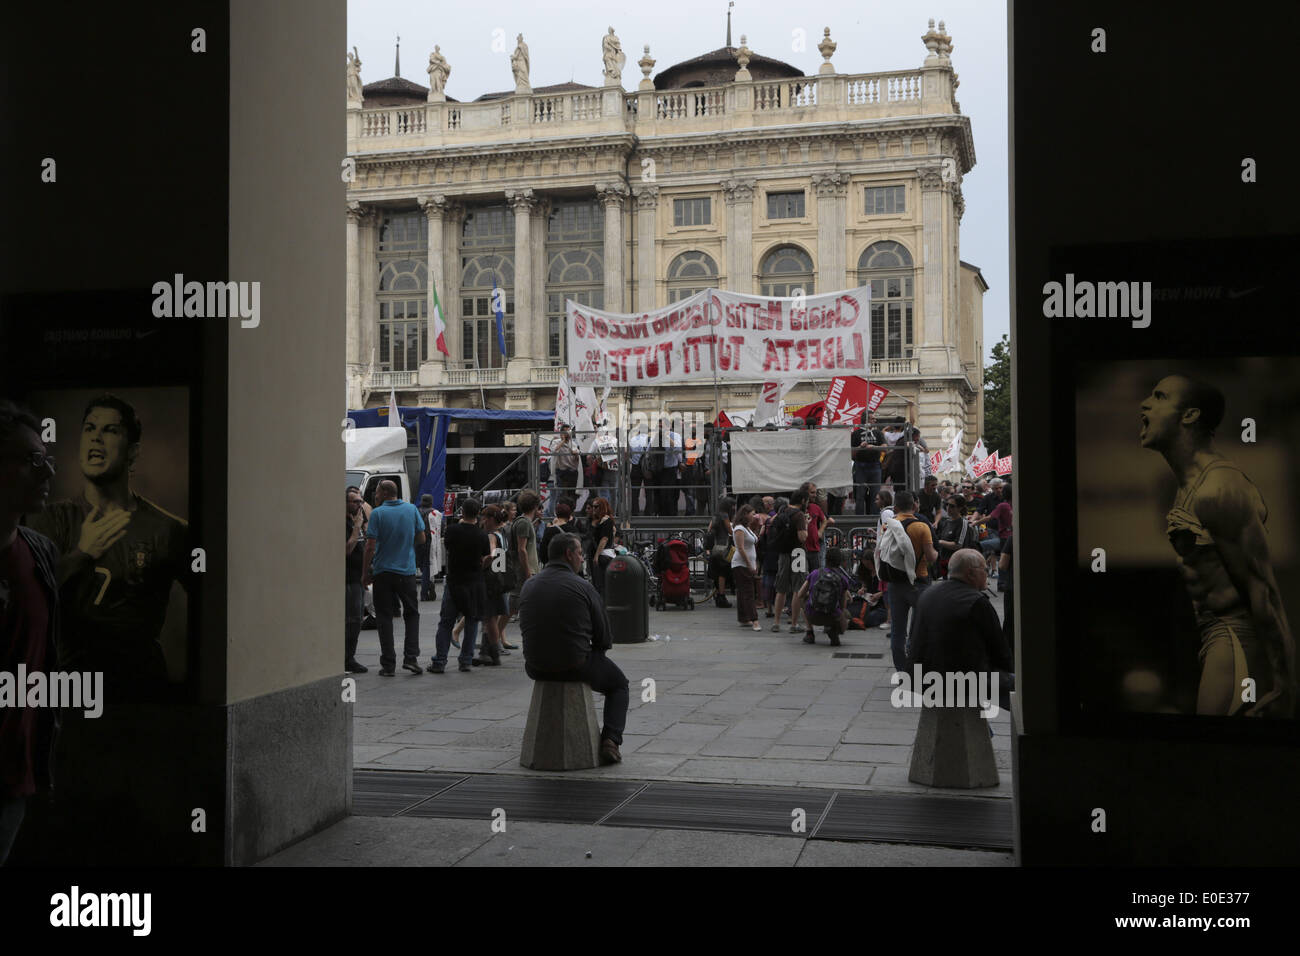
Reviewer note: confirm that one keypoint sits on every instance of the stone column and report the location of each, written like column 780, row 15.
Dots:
column 522, row 202
column 368, row 265
column 453, row 218
column 541, row 213
column 647, row 228
column 611, row 196
column 434, row 207
column 352, row 305
column 930, row 338
column 832, row 221
column 739, row 196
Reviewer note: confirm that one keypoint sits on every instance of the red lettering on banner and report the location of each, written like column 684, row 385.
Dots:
column 801, row 350
column 660, row 326
column 579, row 324
column 859, row 358
column 667, row 349
column 737, row 353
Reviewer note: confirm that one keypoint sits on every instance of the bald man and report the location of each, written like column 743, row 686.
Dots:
column 1216, row 527
column 956, row 627
column 396, row 528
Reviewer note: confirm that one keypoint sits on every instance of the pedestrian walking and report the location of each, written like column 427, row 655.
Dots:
column 394, row 532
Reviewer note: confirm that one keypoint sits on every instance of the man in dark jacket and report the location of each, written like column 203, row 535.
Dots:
column 29, row 616
column 956, row 628
column 566, row 635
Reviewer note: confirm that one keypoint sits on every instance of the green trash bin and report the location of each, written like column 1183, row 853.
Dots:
column 627, row 600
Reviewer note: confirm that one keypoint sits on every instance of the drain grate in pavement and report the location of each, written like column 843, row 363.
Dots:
column 542, row 799
column 384, row 793
column 918, row 818
column 850, row 816
column 858, row 657
column 722, row 807
column 855, row 657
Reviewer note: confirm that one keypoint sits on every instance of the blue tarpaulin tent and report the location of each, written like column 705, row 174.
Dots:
column 431, row 434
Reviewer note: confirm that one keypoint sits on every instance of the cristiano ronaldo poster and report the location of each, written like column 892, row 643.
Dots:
column 117, row 514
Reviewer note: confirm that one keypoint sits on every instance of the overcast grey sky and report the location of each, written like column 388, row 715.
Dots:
column 563, row 38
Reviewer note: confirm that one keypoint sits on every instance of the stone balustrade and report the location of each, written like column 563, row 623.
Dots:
column 520, row 117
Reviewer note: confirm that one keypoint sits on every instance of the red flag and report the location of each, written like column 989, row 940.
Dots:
column 811, row 413
column 1004, row 466
column 846, row 400
column 988, row 464
column 876, row 396
column 722, row 421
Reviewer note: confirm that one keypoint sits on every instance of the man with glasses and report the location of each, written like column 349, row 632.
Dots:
column 120, row 554
column 29, row 615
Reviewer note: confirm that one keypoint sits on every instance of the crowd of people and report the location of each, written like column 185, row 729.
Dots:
column 772, row 553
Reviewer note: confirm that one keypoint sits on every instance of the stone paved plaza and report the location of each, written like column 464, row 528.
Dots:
column 732, row 706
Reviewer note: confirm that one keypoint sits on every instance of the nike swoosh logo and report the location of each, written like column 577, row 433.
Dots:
column 140, row 335
column 1233, row 294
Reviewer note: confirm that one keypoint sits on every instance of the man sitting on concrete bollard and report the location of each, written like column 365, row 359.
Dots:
column 566, row 635
column 956, row 630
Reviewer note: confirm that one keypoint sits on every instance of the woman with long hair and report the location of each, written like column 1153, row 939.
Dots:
column 719, row 543
column 744, row 567
column 603, row 538
column 558, row 526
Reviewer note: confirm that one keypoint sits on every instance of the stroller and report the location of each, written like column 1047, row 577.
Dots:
column 674, row 575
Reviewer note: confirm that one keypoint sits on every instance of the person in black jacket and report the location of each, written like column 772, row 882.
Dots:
column 29, row 616
column 566, row 636
column 956, row 628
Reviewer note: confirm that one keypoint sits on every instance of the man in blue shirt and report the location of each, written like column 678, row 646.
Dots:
column 394, row 532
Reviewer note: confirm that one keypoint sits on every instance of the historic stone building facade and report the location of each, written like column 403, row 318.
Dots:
column 731, row 170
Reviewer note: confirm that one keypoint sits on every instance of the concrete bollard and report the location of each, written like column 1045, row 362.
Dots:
column 562, row 732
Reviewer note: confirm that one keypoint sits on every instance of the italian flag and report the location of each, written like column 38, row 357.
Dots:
column 439, row 325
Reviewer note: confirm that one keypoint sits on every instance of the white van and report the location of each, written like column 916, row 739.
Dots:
column 375, row 454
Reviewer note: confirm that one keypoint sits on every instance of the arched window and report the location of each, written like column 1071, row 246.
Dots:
column 487, row 252
column 575, row 267
column 403, row 290
column 887, row 268
column 689, row 273
column 786, row 271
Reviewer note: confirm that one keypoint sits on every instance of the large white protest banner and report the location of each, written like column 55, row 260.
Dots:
column 732, row 335
column 782, row 461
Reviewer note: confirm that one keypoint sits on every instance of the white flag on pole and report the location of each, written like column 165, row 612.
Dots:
column 769, row 407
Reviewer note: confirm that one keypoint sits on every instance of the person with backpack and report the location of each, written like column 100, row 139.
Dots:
column 790, row 532
column 825, row 598
column 903, row 553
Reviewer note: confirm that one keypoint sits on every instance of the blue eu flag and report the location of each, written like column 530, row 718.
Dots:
column 498, row 307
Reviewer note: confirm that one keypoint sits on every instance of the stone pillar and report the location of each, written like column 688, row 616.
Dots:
column 611, row 196
column 541, row 214
column 352, row 306
column 453, row 218
column 522, row 202
column 739, row 196
column 434, row 207
column 832, row 221
column 368, row 264
column 647, row 213
column 930, row 338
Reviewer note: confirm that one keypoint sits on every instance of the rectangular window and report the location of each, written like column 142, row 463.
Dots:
column 785, row 205
column 479, row 348
column 692, row 212
column 886, row 200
